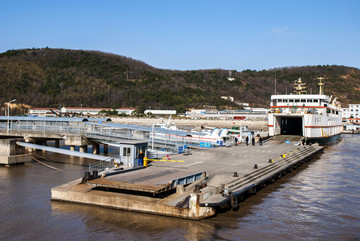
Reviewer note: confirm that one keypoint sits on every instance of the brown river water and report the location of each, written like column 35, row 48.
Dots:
column 318, row 201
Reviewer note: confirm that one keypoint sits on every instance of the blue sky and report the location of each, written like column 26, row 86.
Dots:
column 190, row 35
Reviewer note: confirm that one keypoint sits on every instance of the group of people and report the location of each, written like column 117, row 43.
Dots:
column 253, row 141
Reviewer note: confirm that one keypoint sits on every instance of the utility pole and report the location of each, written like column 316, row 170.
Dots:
column 275, row 82
column 11, row 101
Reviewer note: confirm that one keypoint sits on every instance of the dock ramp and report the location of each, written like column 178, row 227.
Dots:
column 149, row 180
column 66, row 152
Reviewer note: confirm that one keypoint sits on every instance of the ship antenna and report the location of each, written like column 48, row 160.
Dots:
column 321, row 85
column 299, row 87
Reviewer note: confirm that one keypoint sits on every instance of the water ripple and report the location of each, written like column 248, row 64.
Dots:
column 318, row 201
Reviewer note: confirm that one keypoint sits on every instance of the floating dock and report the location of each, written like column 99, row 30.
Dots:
column 207, row 180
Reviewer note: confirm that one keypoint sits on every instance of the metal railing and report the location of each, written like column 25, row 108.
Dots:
column 95, row 132
column 102, row 165
column 295, row 110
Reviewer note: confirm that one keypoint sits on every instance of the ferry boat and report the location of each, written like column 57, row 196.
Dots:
column 315, row 117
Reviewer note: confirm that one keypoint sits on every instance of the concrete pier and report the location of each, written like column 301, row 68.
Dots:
column 11, row 154
column 57, row 143
column 83, row 148
column 208, row 179
column 106, row 149
column 95, row 148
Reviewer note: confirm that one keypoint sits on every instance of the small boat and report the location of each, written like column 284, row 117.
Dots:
column 211, row 137
column 314, row 117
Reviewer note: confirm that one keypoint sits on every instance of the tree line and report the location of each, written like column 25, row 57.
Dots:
column 52, row 77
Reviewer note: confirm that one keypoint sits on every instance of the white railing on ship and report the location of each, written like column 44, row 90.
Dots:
column 295, row 110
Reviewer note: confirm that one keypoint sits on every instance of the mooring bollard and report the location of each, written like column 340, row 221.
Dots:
column 87, row 175
column 95, row 174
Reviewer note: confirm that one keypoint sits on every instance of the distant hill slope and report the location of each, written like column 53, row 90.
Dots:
column 50, row 77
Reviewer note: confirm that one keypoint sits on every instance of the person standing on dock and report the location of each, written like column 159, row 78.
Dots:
column 247, row 140
column 260, row 141
column 141, row 159
column 253, row 141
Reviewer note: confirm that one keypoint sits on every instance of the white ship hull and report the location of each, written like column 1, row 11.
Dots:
column 314, row 117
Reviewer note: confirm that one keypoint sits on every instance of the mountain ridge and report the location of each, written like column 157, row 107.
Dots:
column 52, row 77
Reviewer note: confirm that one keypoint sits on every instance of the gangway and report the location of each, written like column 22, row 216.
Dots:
column 65, row 152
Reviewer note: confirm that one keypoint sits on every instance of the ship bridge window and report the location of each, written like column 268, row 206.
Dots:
column 297, row 100
column 316, row 100
column 309, row 100
column 285, row 100
column 303, row 100
column 291, row 100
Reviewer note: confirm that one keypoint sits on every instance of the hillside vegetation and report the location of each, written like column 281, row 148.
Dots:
column 52, row 77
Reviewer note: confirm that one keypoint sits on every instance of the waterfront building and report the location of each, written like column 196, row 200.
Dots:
column 160, row 112
column 49, row 112
column 252, row 113
column 353, row 111
column 230, row 98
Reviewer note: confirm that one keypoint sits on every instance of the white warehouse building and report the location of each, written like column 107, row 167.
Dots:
column 352, row 112
column 160, row 112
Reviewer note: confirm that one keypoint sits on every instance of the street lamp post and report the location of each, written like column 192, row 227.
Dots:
column 11, row 101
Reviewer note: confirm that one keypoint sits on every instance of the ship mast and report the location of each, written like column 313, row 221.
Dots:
column 299, row 87
column 321, row 85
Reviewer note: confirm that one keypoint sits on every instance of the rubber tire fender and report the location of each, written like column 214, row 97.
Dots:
column 234, row 202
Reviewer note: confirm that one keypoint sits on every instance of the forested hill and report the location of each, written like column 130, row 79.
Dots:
column 52, row 77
